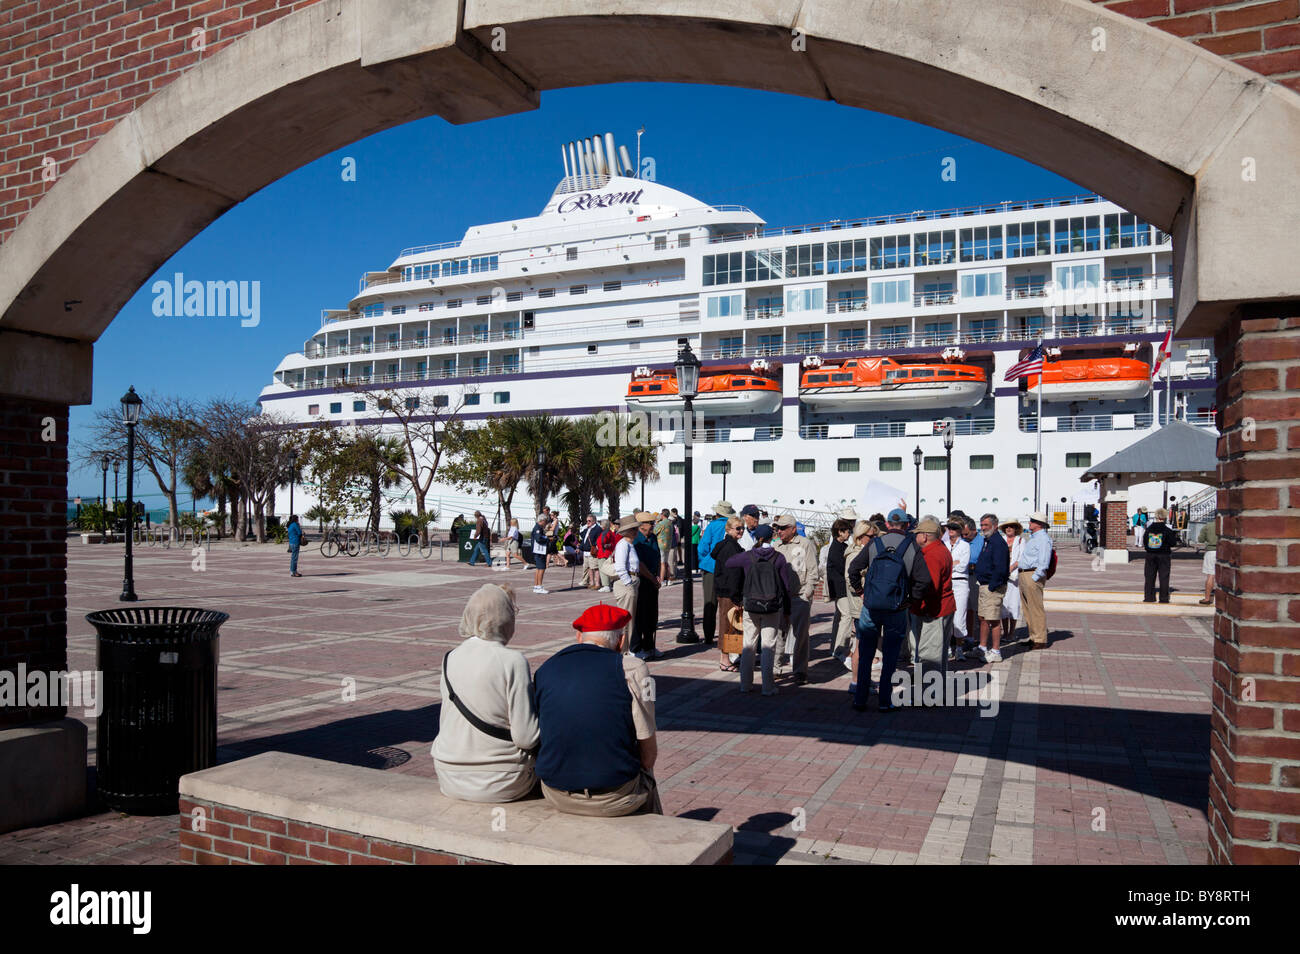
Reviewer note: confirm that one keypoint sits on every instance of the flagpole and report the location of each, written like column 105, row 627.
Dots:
column 1038, row 426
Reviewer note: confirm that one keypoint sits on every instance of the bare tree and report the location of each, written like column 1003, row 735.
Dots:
column 255, row 446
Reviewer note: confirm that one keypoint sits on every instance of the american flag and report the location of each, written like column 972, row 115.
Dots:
column 1162, row 353
column 1032, row 364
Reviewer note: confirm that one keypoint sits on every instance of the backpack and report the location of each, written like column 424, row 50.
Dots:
column 762, row 592
column 1051, row 567
column 884, row 587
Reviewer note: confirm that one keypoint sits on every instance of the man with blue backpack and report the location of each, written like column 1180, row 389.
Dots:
column 889, row 573
column 765, row 597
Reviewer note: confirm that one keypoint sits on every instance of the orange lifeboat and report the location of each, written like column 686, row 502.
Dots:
column 882, row 384
column 743, row 389
column 1100, row 378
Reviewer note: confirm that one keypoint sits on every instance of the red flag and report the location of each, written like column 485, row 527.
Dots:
column 1162, row 353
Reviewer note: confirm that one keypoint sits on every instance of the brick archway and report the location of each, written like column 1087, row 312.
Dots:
column 1197, row 144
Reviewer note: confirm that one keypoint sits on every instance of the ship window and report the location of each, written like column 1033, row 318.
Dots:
column 802, row 261
column 661, row 242
column 979, row 286
column 655, row 387
column 514, row 296
column 336, row 407
column 546, row 293
column 313, row 408
column 528, row 321
column 571, row 253
column 737, row 382
column 441, row 400
column 684, row 240
column 947, row 373
column 805, row 299
column 981, row 461
column 358, row 405
column 373, row 310
column 891, row 293
column 1078, row 459
column 805, row 465
column 577, row 289
column 636, row 389
column 1025, row 461
column 922, row 372
column 936, row 463
column 720, row 467
column 613, row 286
column 471, row 398
column 847, row 256
column 453, row 302
column 890, row 251
column 676, row 467
column 818, row 378
column 634, row 322
column 763, row 265
column 399, row 310
column 591, row 349
column 725, row 306
column 723, row 269
column 841, row 377
column 891, row 463
column 849, row 465
column 483, row 300
column 764, row 467
column 500, row 397
column 851, row 364
column 412, row 403
column 758, row 381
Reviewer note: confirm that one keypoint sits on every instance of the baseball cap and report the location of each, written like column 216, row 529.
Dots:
column 782, row 521
column 762, row 532
column 898, row 515
column 749, row 510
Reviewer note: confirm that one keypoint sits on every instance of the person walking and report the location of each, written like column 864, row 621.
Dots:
column 726, row 587
column 765, row 595
column 604, row 551
column 1035, row 563
column 991, row 571
column 540, row 544
column 647, row 601
column 959, row 550
column 801, row 555
column 1011, row 600
column 1159, row 544
column 295, row 543
column 710, row 537
column 513, row 539
column 627, row 574
column 482, row 537
column 893, row 576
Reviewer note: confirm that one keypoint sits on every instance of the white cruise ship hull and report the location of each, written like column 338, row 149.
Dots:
column 919, row 396
column 724, row 402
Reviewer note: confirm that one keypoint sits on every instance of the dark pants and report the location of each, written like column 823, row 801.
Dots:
column 710, row 608
column 835, row 623
column 1157, row 563
column 647, row 617
column 889, row 629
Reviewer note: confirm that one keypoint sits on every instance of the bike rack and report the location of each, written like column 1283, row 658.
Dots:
column 383, row 543
column 425, row 555
column 412, row 539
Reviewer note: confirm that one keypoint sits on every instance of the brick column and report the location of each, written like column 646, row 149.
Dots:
column 33, row 555
column 1114, row 522
column 1254, row 809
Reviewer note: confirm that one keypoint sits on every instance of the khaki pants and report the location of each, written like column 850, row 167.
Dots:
column 796, row 635
column 759, row 627
column 929, row 643
column 1031, row 601
column 843, row 637
column 640, row 796
column 625, row 596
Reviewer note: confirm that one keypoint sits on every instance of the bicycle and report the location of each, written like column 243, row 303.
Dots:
column 329, row 544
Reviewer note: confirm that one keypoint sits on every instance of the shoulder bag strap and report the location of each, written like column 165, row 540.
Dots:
column 495, row 731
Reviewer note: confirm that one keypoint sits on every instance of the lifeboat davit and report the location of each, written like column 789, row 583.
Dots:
column 882, row 384
column 744, row 389
column 1092, row 378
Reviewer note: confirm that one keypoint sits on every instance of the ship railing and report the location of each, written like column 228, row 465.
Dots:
column 844, row 305
column 1077, row 423
column 721, row 435
column 1194, row 418
column 963, row 428
column 759, row 314
column 497, row 305
column 926, row 298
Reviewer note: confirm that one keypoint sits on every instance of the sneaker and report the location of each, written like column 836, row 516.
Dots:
column 604, row 589
column 541, row 589
column 993, row 656
column 848, row 663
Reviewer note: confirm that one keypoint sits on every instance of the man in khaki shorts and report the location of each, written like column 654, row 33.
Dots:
column 992, row 570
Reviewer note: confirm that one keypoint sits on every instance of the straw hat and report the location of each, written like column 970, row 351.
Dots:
column 627, row 523
column 736, row 617
column 1012, row 523
column 928, row 525
column 723, row 508
column 1040, row 517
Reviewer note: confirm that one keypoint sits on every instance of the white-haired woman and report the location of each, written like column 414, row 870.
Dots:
column 488, row 730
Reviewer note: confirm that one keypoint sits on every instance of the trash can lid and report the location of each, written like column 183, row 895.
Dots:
column 155, row 622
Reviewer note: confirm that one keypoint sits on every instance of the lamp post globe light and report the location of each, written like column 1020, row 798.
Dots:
column 947, row 446
column 130, row 417
column 688, row 383
column 916, row 459
column 103, row 497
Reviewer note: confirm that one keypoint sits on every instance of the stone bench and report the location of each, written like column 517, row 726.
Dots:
column 277, row 808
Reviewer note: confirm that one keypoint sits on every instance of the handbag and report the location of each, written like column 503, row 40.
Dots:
column 487, row 728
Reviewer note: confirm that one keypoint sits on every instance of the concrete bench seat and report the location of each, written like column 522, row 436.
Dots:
column 277, row 808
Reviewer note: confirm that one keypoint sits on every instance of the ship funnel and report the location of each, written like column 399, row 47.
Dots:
column 627, row 161
column 573, row 160
column 611, row 154
column 564, row 157
column 598, row 149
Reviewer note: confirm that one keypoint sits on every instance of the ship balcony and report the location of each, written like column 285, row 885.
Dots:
column 1079, row 423
column 723, row 435
column 962, row 428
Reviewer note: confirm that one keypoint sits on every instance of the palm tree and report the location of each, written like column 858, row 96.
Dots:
column 378, row 459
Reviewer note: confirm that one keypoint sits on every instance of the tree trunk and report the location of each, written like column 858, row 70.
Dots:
column 259, row 520
column 173, row 513
column 612, row 500
column 221, row 513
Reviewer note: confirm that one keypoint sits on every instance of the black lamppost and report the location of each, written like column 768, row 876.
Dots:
column 103, row 497
column 947, row 446
column 130, row 417
column 916, row 459
column 541, row 478
column 293, row 475
column 117, row 466
column 688, row 382
column 726, row 469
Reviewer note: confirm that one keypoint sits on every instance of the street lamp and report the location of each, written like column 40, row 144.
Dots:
column 293, row 473
column 103, row 496
column 947, row 446
column 130, row 417
column 688, row 382
column 726, row 469
column 916, row 459
column 541, row 478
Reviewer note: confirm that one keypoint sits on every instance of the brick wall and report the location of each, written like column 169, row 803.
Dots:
column 1254, row 809
column 70, row 69
column 33, row 561
column 1114, row 524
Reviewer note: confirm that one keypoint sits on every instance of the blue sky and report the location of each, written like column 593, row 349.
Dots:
column 308, row 237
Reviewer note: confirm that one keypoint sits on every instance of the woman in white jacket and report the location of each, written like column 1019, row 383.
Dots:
column 492, row 761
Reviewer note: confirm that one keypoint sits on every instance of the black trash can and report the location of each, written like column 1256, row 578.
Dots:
column 464, row 544
column 159, row 697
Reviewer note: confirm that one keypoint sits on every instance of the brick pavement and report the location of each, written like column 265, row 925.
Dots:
column 1099, row 751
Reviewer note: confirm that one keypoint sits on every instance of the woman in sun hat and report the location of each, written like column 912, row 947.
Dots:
column 1014, row 531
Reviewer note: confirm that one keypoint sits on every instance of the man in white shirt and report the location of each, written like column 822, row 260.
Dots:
column 960, row 551
column 627, row 571
column 749, row 514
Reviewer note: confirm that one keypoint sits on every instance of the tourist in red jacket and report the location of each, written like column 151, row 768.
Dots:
column 932, row 612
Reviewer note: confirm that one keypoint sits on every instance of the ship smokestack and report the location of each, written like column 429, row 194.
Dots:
column 590, row 158
column 573, row 162
column 627, row 160
column 564, row 158
column 598, row 148
column 613, row 156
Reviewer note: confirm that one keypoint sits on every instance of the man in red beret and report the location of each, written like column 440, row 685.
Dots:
column 595, row 705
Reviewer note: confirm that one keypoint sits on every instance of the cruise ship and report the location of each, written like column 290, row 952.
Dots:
column 831, row 352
